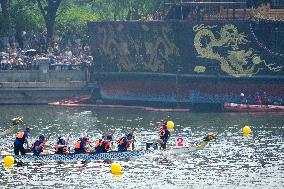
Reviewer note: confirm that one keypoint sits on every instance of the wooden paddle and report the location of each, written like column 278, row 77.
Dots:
column 133, row 138
column 16, row 121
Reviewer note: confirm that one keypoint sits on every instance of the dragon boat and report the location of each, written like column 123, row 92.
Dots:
column 151, row 148
column 98, row 156
column 252, row 107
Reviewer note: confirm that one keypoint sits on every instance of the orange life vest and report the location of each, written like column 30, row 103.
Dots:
column 64, row 148
column 56, row 148
column 107, row 146
column 162, row 132
column 121, row 141
column 101, row 142
column 77, row 144
column 20, row 134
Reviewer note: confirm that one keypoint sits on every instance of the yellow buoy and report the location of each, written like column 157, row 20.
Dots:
column 116, row 168
column 8, row 161
column 170, row 125
column 246, row 130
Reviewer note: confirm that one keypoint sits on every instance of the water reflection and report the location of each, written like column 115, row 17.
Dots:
column 232, row 161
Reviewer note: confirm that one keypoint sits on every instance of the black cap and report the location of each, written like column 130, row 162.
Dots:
column 109, row 137
column 28, row 129
column 129, row 135
column 85, row 138
column 41, row 137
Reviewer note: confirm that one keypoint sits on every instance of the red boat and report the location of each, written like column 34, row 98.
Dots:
column 81, row 102
column 234, row 107
column 72, row 101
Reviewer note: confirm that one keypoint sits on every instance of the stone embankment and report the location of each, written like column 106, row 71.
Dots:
column 41, row 86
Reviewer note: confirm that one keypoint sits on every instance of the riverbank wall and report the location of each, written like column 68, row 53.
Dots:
column 41, row 86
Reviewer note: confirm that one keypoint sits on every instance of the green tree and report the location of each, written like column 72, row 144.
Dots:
column 25, row 18
column 125, row 9
column 48, row 9
column 6, row 24
column 74, row 19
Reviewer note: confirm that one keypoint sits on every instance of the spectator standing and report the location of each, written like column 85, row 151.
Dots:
column 243, row 99
column 56, row 49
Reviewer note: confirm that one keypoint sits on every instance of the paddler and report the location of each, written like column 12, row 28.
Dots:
column 61, row 146
column 125, row 142
column 164, row 135
column 103, row 145
column 22, row 137
column 38, row 145
column 80, row 146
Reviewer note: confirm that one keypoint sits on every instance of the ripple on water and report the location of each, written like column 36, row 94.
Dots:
column 232, row 161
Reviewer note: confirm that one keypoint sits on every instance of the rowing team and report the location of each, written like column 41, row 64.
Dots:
column 102, row 145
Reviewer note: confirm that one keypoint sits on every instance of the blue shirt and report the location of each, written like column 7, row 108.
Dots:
column 166, row 136
column 39, row 149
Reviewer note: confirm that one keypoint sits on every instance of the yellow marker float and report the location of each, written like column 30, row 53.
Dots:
column 116, row 168
column 246, row 130
column 170, row 125
column 8, row 161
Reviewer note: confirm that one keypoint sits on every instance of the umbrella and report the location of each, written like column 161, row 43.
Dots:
column 31, row 52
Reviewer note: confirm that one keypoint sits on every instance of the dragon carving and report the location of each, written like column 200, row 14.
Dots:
column 235, row 62
column 148, row 50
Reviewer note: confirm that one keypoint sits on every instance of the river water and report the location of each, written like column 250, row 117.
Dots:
column 232, row 161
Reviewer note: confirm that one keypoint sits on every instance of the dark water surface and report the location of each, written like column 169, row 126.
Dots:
column 232, row 161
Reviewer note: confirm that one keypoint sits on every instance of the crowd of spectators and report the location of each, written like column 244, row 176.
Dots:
column 70, row 53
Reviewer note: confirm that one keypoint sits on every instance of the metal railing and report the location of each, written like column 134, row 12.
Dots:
column 214, row 10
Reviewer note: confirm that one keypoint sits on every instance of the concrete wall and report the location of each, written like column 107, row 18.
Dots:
column 38, row 76
column 41, row 86
column 44, row 74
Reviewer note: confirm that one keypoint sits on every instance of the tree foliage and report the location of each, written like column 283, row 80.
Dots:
column 74, row 18
column 26, row 17
column 5, row 7
column 125, row 9
column 70, row 16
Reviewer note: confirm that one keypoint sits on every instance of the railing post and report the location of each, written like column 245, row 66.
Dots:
column 181, row 11
column 227, row 12
column 43, row 64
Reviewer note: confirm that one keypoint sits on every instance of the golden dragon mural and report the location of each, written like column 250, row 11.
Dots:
column 235, row 61
column 148, row 50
